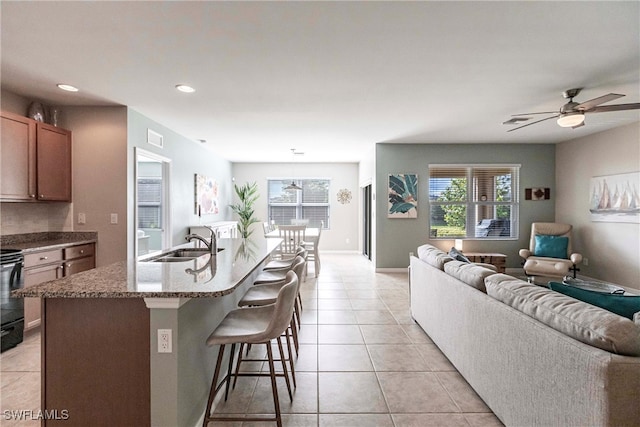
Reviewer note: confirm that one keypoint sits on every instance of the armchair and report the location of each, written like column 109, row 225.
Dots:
column 550, row 252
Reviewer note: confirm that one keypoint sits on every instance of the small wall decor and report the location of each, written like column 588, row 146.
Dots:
column 206, row 193
column 537, row 193
column 615, row 198
column 344, row 196
column 154, row 138
column 403, row 195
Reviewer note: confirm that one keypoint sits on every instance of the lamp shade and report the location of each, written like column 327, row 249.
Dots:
column 570, row 120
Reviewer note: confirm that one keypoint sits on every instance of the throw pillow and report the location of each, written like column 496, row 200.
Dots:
column 625, row 306
column 551, row 246
column 457, row 255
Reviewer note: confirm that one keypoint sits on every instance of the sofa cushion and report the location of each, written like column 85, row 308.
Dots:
column 584, row 322
column 470, row 274
column 433, row 256
column 551, row 246
column 625, row 306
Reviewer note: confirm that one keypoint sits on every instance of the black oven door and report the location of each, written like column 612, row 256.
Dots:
column 11, row 309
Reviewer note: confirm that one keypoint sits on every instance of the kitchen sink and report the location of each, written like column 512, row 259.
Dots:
column 180, row 255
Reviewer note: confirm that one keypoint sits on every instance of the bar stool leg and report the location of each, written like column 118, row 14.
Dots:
column 293, row 372
column 213, row 391
column 274, row 388
column 229, row 371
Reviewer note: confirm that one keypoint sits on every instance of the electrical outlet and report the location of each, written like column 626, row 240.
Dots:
column 114, row 218
column 164, row 341
column 585, row 261
column 82, row 219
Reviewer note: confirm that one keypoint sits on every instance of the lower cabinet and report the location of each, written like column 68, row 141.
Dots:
column 43, row 266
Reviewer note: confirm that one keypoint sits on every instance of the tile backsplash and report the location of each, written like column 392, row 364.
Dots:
column 17, row 218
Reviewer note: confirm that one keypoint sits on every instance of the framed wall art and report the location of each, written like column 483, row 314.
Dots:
column 206, row 194
column 403, row 195
column 615, row 198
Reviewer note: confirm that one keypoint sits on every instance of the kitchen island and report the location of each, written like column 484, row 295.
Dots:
column 101, row 359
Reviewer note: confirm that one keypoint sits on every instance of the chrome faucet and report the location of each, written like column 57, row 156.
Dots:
column 212, row 244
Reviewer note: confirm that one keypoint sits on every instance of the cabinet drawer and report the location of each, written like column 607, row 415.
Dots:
column 79, row 265
column 79, row 251
column 42, row 258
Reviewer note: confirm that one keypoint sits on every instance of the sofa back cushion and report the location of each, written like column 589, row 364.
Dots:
column 470, row 274
column 433, row 256
column 584, row 322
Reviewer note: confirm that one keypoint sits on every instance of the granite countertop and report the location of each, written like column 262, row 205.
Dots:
column 33, row 242
column 203, row 277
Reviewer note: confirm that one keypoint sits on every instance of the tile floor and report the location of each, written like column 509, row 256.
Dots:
column 362, row 362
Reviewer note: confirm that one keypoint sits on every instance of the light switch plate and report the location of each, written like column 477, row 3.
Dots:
column 114, row 218
column 82, row 218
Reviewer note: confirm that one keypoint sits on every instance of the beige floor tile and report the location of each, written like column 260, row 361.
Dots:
column 368, row 304
column 483, row 420
column 362, row 294
column 355, row 420
column 336, row 317
column 334, row 304
column 343, row 358
column 396, row 357
column 307, row 358
column 416, row 334
column 339, row 334
column 309, row 316
column 332, row 294
column 350, row 392
column 375, row 317
column 239, row 397
column 384, row 334
column 415, row 392
column 305, row 396
column 308, row 334
column 429, row 420
column 435, row 358
column 461, row 392
column 309, row 303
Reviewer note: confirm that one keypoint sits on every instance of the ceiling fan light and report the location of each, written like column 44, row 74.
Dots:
column 570, row 120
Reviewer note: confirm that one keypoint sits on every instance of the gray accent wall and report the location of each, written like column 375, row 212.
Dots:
column 396, row 238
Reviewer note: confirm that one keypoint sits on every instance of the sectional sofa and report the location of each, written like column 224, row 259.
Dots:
column 536, row 357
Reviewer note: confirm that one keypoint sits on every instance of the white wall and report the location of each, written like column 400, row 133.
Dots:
column 613, row 249
column 344, row 218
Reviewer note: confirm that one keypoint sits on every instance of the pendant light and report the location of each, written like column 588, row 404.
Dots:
column 293, row 185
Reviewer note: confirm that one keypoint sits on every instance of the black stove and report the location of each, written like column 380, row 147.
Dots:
column 12, row 309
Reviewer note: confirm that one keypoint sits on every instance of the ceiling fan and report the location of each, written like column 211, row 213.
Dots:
column 571, row 114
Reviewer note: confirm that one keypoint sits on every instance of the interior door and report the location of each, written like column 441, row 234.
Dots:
column 366, row 221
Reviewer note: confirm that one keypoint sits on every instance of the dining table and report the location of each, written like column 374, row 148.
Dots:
column 310, row 235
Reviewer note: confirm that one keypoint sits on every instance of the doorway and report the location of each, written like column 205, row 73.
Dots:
column 152, row 203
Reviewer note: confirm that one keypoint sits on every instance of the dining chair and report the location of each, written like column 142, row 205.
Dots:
column 292, row 237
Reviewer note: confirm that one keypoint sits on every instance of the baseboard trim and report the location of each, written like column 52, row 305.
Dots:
column 391, row 270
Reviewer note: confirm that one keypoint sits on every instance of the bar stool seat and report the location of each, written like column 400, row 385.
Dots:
column 277, row 275
column 254, row 325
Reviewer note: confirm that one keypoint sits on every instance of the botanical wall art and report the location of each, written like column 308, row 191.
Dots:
column 403, row 195
column 206, row 195
column 615, row 198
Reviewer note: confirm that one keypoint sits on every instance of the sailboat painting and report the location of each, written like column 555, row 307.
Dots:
column 615, row 198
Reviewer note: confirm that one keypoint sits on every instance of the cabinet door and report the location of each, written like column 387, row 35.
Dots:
column 18, row 159
column 54, row 163
column 33, row 277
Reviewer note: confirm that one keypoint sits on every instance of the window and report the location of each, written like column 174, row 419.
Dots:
column 477, row 202
column 149, row 202
column 311, row 203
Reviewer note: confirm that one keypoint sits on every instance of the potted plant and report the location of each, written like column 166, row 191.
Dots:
column 247, row 194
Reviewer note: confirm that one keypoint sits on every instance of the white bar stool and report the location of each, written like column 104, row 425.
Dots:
column 254, row 325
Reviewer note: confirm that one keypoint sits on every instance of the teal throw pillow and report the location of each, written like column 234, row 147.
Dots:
column 551, row 246
column 624, row 306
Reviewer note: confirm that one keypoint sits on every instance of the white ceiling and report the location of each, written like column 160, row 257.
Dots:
column 329, row 78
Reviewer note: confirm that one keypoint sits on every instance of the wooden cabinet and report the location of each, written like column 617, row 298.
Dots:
column 36, row 160
column 496, row 259
column 52, row 264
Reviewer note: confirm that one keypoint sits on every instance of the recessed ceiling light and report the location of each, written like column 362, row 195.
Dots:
column 68, row 88
column 185, row 88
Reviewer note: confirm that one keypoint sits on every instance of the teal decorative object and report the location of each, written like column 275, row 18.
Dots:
column 551, row 246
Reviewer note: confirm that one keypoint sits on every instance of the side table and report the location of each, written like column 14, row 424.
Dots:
column 496, row 259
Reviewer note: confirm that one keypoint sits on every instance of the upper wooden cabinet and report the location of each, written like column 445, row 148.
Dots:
column 36, row 160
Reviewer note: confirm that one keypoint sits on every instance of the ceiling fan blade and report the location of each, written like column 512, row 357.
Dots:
column 617, row 107
column 533, row 123
column 531, row 114
column 587, row 105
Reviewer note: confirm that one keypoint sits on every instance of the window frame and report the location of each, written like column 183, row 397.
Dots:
column 473, row 200
column 299, row 205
